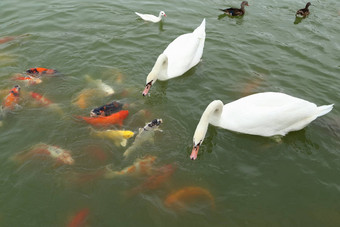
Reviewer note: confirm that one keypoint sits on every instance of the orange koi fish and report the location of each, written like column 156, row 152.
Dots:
column 116, row 118
column 79, row 219
column 7, row 39
column 41, row 71
column 12, row 98
column 44, row 150
column 140, row 166
column 41, row 99
column 154, row 181
column 182, row 197
column 30, row 80
column 86, row 96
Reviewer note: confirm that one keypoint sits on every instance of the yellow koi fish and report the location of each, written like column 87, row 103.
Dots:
column 140, row 166
column 119, row 137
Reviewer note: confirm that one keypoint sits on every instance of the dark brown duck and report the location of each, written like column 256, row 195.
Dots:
column 303, row 12
column 236, row 11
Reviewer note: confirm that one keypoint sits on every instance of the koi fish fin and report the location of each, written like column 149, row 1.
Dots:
column 123, row 142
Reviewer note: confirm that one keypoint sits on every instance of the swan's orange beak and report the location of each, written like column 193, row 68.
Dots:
column 147, row 88
column 194, row 152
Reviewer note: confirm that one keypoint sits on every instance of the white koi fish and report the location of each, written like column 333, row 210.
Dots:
column 145, row 134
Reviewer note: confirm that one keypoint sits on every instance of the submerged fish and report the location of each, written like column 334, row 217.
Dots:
column 119, row 137
column 140, row 166
column 12, row 99
column 79, row 219
column 84, row 97
column 116, row 118
column 145, row 134
column 29, row 80
column 101, row 85
column 186, row 195
column 40, row 71
column 7, row 39
column 156, row 180
column 106, row 109
column 40, row 98
column 62, row 156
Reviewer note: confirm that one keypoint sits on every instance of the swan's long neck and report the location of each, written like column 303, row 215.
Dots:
column 159, row 70
column 212, row 112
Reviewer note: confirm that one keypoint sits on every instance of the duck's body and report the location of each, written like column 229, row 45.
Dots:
column 264, row 114
column 181, row 55
column 152, row 18
column 236, row 11
column 303, row 12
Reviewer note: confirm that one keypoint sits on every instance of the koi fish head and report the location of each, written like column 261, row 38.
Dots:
column 128, row 134
column 15, row 90
column 66, row 158
column 153, row 124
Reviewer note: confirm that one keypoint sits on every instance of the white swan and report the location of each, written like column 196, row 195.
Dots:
column 264, row 114
column 181, row 55
column 152, row 18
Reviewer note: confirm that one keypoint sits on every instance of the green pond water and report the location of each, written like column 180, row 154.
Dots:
column 254, row 181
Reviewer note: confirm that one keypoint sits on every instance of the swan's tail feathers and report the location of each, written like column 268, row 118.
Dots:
column 200, row 30
column 322, row 110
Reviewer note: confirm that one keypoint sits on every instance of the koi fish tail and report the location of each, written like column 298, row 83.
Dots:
column 109, row 173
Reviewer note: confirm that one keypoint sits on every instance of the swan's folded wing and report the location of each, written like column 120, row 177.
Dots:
column 268, row 115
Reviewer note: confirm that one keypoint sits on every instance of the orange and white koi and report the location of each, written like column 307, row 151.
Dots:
column 12, row 98
column 183, row 197
column 40, row 98
column 61, row 156
column 30, row 80
column 40, row 71
column 140, row 166
column 79, row 219
column 116, row 118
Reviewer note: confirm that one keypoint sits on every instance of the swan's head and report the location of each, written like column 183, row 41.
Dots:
column 195, row 149
column 211, row 114
column 159, row 69
column 148, row 85
column 162, row 13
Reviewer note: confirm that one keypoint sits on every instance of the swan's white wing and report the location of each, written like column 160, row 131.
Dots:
column 267, row 114
column 185, row 52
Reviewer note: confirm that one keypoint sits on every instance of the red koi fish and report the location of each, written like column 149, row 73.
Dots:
column 12, row 98
column 40, row 71
column 41, row 99
column 154, row 181
column 79, row 219
column 29, row 79
column 116, row 118
column 183, row 197
column 44, row 150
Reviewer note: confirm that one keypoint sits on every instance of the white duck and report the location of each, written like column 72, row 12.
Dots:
column 152, row 18
column 264, row 114
column 181, row 55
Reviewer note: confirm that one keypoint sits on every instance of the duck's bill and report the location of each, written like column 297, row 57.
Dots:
column 146, row 89
column 194, row 152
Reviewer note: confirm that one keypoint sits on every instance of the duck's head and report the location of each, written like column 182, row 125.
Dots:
column 162, row 13
column 244, row 3
column 308, row 4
